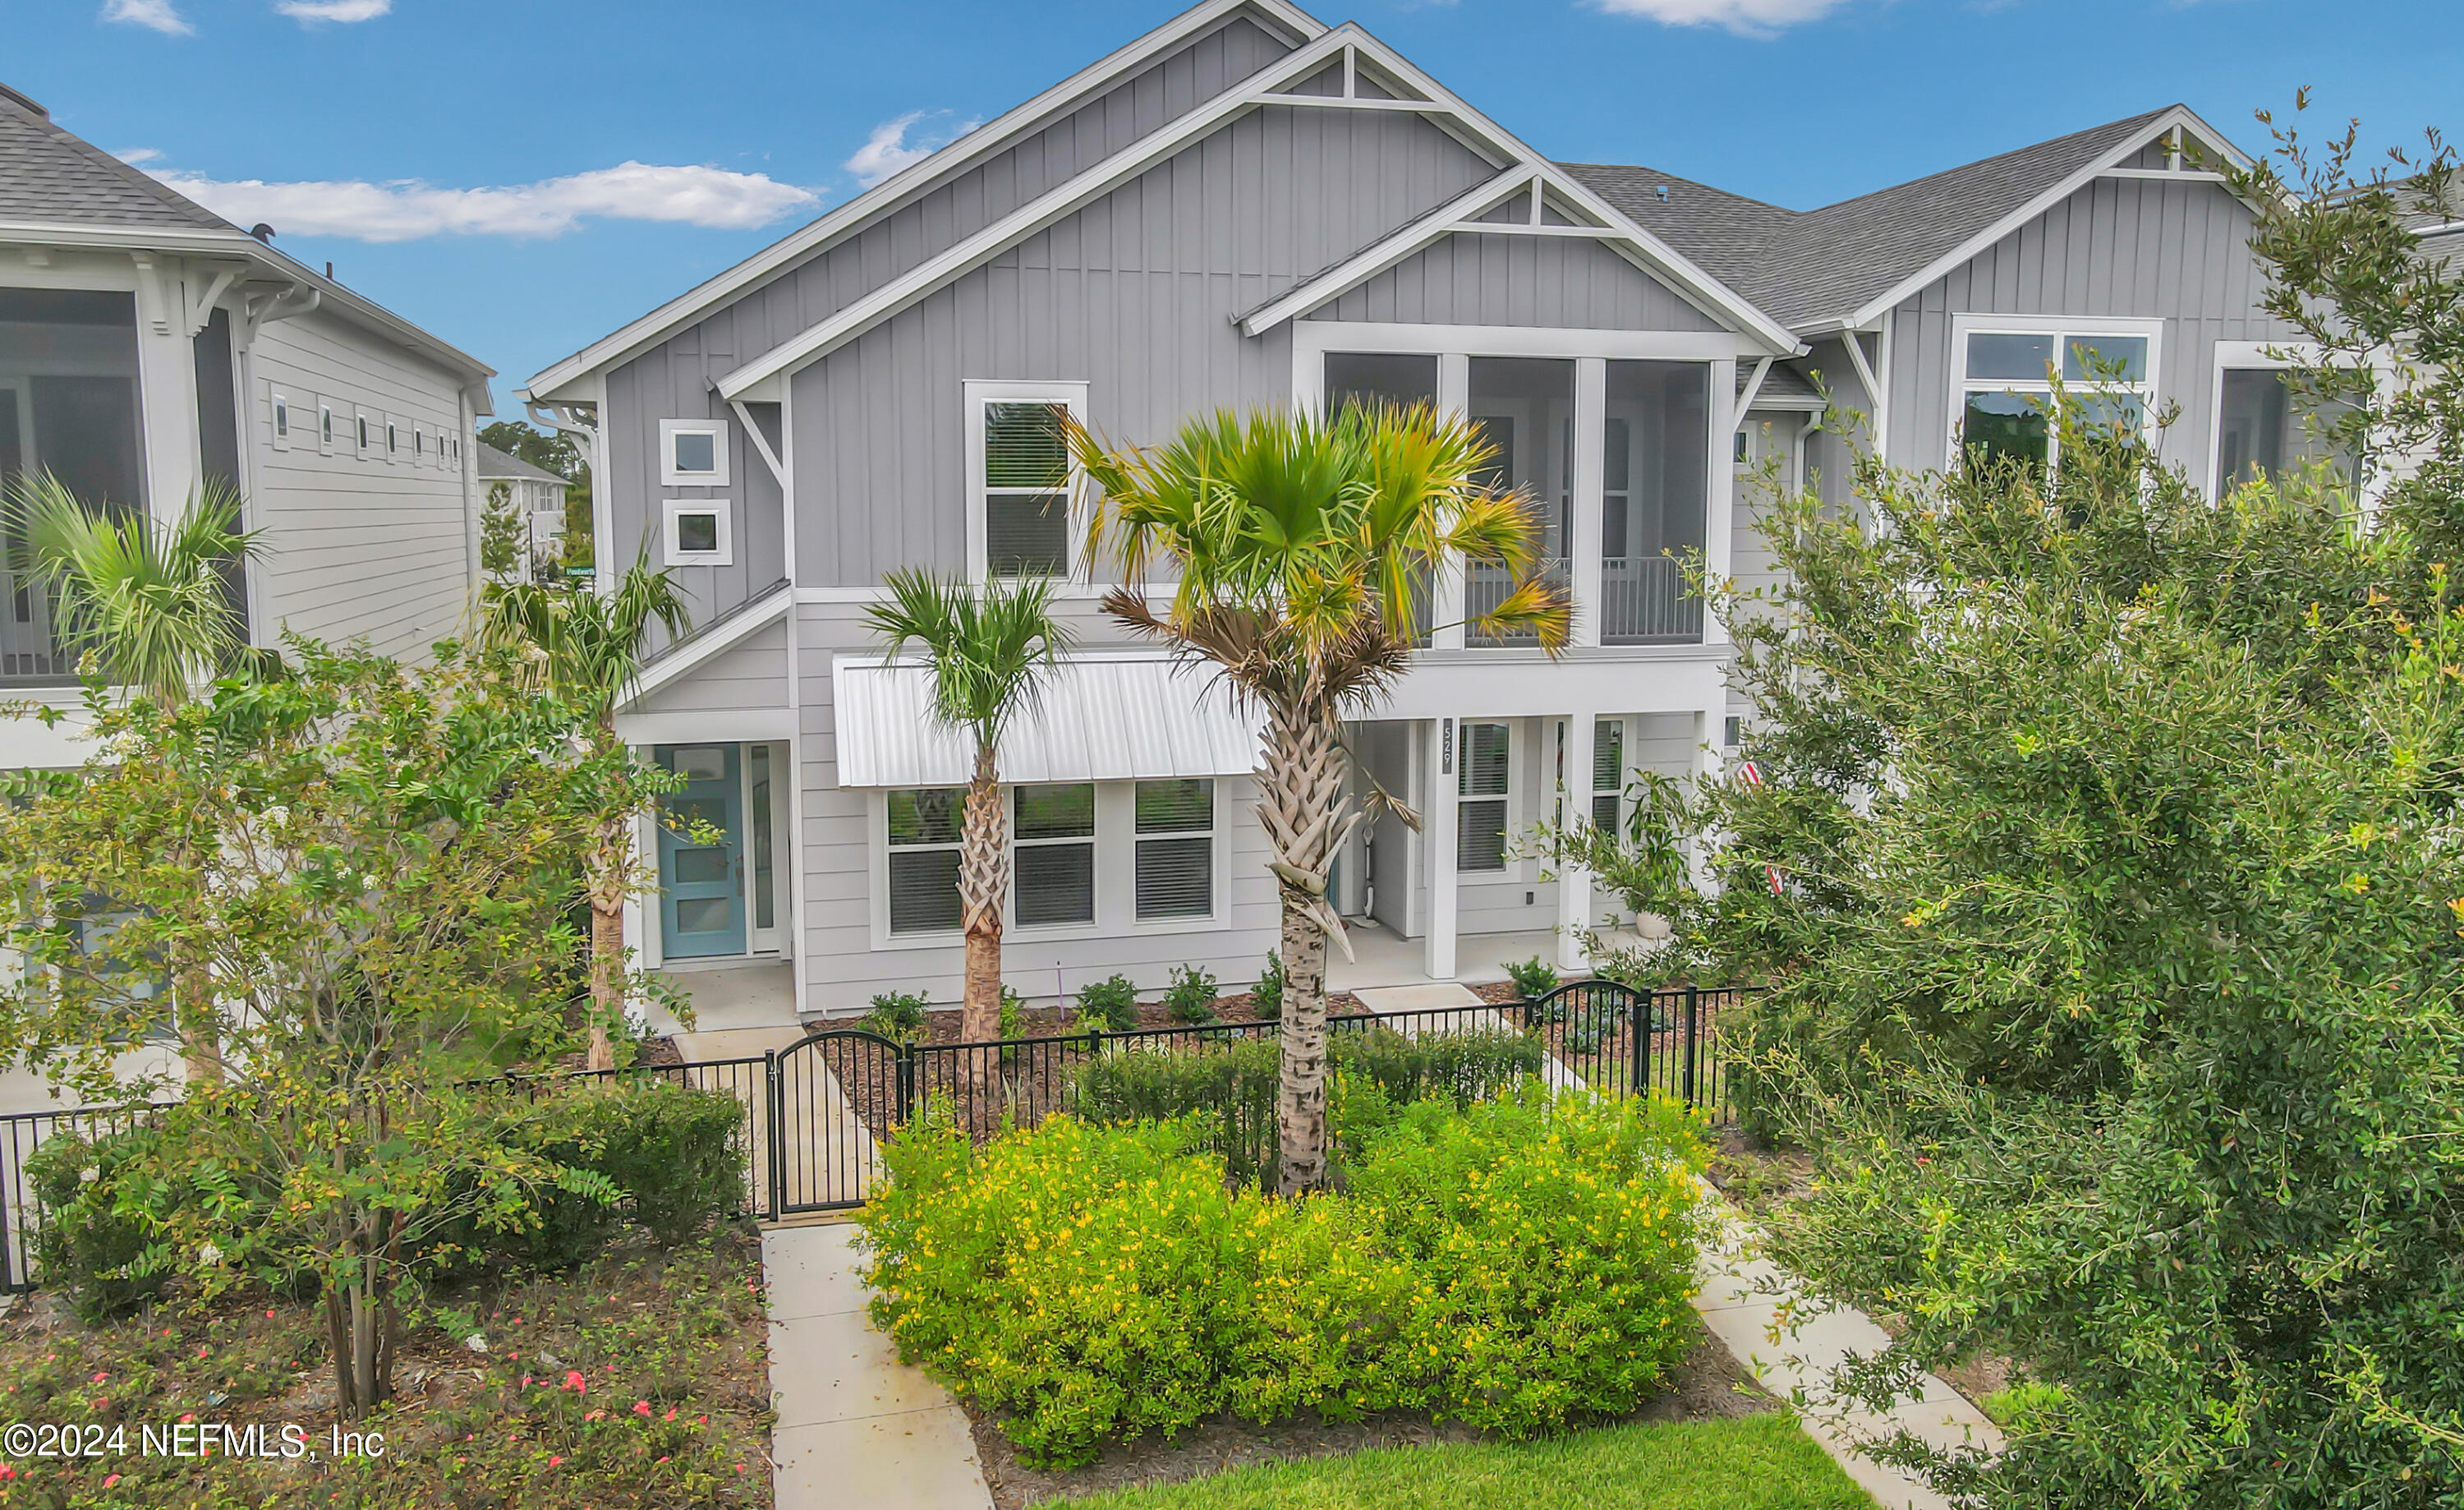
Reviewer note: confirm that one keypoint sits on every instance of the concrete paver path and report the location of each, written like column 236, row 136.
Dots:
column 856, row 1426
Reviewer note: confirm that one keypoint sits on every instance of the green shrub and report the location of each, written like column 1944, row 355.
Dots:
column 1534, row 978
column 1113, row 1001
column 1266, row 999
column 1460, row 1067
column 1519, row 1266
column 898, row 1015
column 1013, row 1021
column 1190, row 996
column 1230, row 1083
column 93, row 1231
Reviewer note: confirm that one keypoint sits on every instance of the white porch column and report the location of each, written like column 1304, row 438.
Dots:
column 1708, row 728
column 167, row 387
column 1590, row 482
column 1437, row 823
column 1446, row 593
column 1574, row 806
column 1719, row 523
column 642, row 908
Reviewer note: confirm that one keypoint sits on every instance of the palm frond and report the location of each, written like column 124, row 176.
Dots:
column 991, row 649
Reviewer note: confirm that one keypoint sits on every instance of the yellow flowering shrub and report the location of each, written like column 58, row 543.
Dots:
column 1518, row 1264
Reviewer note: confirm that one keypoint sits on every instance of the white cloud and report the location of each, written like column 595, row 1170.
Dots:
column 337, row 10
column 1745, row 17
column 406, row 209
column 155, row 16
column 888, row 150
column 138, row 154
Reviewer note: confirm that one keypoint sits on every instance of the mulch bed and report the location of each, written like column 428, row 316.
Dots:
column 1708, row 1385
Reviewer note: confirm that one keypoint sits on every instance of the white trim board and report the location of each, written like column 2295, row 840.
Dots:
column 1294, row 24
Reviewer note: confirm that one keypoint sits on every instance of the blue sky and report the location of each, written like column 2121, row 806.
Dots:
column 636, row 149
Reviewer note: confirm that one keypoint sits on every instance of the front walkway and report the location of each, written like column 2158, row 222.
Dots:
column 856, row 1426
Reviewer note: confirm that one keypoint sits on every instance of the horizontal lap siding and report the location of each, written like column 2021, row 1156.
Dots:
column 753, row 674
column 1135, row 295
column 671, row 381
column 2138, row 247
column 1557, row 282
column 842, row 969
column 356, row 548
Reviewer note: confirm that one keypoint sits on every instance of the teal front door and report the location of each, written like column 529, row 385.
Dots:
column 701, row 885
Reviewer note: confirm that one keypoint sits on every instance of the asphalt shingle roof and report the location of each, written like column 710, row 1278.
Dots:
column 49, row 176
column 494, row 463
column 1806, row 266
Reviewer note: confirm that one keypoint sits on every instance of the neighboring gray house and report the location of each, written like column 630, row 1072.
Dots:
column 1249, row 207
column 146, row 343
column 538, row 495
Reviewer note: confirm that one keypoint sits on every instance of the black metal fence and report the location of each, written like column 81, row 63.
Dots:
column 813, row 1113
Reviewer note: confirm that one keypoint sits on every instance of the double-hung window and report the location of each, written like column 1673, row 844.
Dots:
column 925, row 830
column 1482, row 783
column 1022, row 520
column 1052, row 855
column 2007, row 386
column 1175, row 841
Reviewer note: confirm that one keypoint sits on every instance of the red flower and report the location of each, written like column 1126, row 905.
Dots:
column 113, row 1479
column 641, row 1408
column 556, row 1462
column 573, row 1381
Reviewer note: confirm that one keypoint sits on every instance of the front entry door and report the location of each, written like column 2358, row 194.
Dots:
column 701, row 885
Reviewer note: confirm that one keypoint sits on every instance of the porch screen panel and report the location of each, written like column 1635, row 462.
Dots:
column 1524, row 407
column 1655, row 465
column 1375, row 379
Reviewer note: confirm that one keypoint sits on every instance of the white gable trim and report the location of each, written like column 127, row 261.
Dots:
column 2179, row 117
column 985, row 140
column 702, row 651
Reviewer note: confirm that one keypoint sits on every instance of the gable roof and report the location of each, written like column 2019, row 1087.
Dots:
column 910, row 182
column 52, row 176
column 1832, row 266
column 493, row 464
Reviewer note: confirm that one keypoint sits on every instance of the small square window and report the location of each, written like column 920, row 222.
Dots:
column 698, row 533
column 692, row 452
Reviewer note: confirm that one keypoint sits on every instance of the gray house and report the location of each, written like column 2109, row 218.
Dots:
column 147, row 344
column 1249, row 207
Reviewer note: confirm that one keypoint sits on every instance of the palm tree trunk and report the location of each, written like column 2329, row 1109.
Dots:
column 607, row 862
column 1301, row 803
column 984, row 881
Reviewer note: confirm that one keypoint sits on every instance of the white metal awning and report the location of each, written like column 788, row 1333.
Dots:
column 1102, row 715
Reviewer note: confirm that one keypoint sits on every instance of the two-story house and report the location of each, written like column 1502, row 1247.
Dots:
column 146, row 345
column 1249, row 207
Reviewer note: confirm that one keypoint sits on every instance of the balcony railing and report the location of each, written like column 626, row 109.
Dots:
column 29, row 651
column 1647, row 600
column 1485, row 587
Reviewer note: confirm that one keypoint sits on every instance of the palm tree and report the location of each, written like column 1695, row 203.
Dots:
column 990, row 651
column 586, row 647
column 149, row 605
column 1302, row 548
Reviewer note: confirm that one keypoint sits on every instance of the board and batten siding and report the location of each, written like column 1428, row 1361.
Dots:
column 1562, row 282
column 835, row 950
column 2137, row 248
column 1135, row 295
column 673, row 379
column 357, row 548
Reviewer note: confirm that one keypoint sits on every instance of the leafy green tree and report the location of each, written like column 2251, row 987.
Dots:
column 991, row 649
column 2115, row 953
column 381, row 899
column 557, row 453
column 584, row 647
column 1303, row 550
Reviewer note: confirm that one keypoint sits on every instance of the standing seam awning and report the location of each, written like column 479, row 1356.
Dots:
column 1101, row 717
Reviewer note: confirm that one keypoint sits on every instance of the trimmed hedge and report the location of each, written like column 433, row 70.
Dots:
column 1519, row 1265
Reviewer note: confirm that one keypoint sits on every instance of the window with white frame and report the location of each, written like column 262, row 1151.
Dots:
column 1175, row 848
column 1021, row 521
column 1482, row 785
column 366, row 427
column 2007, row 385
column 925, row 830
column 700, row 533
column 325, row 429
column 1052, row 855
column 281, row 420
column 692, row 452
column 393, row 440
column 2267, row 427
column 419, row 444
column 1608, row 775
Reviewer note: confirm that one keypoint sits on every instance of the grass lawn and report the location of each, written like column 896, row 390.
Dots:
column 1755, row 1463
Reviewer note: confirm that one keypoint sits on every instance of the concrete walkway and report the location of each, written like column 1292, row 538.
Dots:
column 1740, row 1297
column 856, row 1426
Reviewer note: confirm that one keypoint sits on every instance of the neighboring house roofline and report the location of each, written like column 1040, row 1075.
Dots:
column 492, row 465
column 332, row 297
column 1267, row 87
column 1864, row 316
column 985, row 140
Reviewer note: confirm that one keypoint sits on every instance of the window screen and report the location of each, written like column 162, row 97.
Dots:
column 1482, row 784
column 1175, row 860
column 1053, row 858
column 1027, row 489
column 924, row 831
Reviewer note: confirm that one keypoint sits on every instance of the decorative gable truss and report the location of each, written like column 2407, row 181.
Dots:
column 1343, row 69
